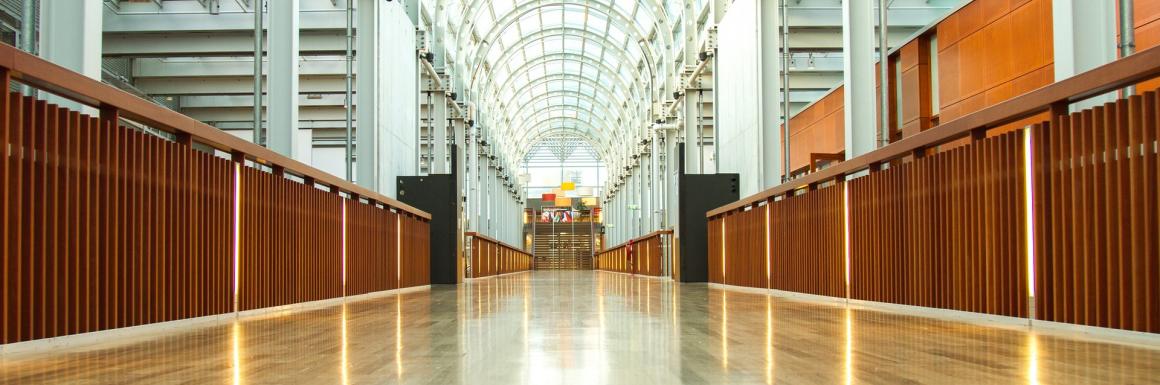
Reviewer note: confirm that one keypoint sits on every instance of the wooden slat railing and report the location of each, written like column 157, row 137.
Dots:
column 1062, row 215
column 490, row 257
column 106, row 226
column 647, row 256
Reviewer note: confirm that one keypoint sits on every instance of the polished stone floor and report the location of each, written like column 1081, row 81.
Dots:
column 588, row 328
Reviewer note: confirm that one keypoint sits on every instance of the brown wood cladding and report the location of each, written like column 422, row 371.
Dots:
column 811, row 264
column 107, row 227
column 944, row 231
column 291, row 242
column 806, row 234
column 1096, row 214
column 372, row 249
column 489, row 258
column 415, row 248
column 647, row 256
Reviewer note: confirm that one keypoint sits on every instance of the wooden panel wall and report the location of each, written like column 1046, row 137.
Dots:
column 1097, row 234
column 1147, row 15
column 807, row 243
column 819, row 128
column 291, row 242
column 944, row 231
column 914, row 58
column 106, row 227
column 489, row 258
column 372, row 252
column 991, row 51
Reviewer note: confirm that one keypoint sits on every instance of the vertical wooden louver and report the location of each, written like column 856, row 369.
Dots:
column 806, row 240
column 106, row 226
column 490, row 257
column 371, row 255
column 1097, row 235
column 291, row 247
column 647, row 258
column 945, row 230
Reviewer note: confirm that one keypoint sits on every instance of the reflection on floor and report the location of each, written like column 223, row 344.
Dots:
column 584, row 327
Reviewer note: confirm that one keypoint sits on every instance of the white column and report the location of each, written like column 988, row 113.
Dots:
column 1085, row 38
column 70, row 36
column 439, row 132
column 771, row 96
column 476, row 187
column 858, row 31
column 282, row 111
column 692, row 130
column 367, row 134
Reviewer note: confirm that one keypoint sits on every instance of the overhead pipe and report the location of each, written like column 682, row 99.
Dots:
column 350, row 90
column 258, row 4
column 430, row 70
column 689, row 82
column 884, row 73
column 1127, row 37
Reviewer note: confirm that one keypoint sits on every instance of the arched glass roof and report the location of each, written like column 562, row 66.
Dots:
column 539, row 69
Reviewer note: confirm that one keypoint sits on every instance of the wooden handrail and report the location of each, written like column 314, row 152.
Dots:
column 639, row 239
column 113, row 103
column 1133, row 69
column 495, row 241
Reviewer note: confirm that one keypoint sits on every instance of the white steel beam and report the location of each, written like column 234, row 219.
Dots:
column 231, row 44
column 236, row 85
column 220, row 67
column 189, row 16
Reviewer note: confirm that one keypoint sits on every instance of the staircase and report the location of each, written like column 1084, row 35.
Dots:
column 563, row 246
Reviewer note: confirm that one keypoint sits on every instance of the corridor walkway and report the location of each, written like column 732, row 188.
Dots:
column 587, row 327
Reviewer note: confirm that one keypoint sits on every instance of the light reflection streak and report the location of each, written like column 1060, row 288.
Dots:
column 849, row 347
column 399, row 338
column 1032, row 358
column 724, row 330
column 768, row 341
column 236, row 349
column 345, row 350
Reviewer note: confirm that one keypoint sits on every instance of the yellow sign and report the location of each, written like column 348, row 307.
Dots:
column 568, row 186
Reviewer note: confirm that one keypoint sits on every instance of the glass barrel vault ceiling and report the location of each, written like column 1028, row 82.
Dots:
column 542, row 68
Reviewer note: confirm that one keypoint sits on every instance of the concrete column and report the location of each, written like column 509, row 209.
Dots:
column 1085, row 38
column 476, row 189
column 282, row 92
column 70, row 36
column 858, row 64
column 367, row 135
column 692, row 130
column 438, row 133
column 772, row 106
